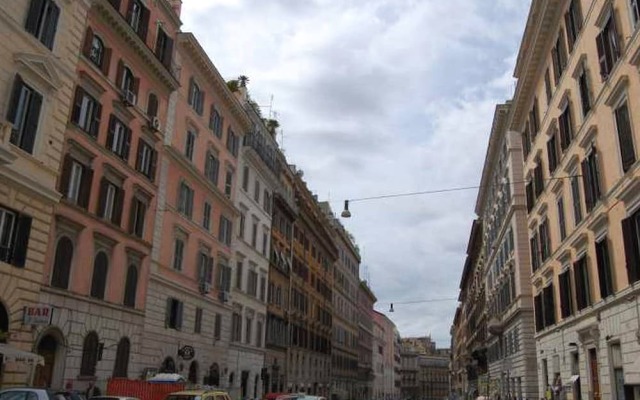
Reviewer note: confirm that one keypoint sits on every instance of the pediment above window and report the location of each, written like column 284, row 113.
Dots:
column 39, row 67
column 630, row 195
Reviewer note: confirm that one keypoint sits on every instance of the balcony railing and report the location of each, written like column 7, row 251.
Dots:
column 265, row 151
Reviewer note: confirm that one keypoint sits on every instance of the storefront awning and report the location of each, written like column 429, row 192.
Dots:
column 13, row 354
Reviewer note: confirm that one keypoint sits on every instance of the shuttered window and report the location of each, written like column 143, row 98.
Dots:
column 625, row 136
column 24, row 114
column 15, row 229
column 608, row 45
column 630, row 233
column 86, row 112
column 566, row 294
column 42, row 21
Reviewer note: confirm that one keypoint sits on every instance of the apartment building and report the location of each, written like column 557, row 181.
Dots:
column 379, row 392
column 386, row 358
column 501, row 205
column 285, row 212
column 458, row 354
column 576, row 107
column 37, row 70
column 101, row 237
column 311, row 309
column 473, row 316
column 188, row 321
column 409, row 388
column 259, row 179
column 346, row 271
column 366, row 300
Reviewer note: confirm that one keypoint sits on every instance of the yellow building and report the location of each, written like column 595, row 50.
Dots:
column 576, row 105
column 38, row 55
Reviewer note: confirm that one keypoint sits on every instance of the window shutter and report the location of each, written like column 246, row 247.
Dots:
column 95, row 124
column 127, row 144
column 168, row 52
column 630, row 237
column 211, row 114
column 551, row 154
column 111, row 130
column 537, row 302
column 136, row 86
column 65, row 175
column 602, row 57
column 21, row 241
column 120, row 73
column 144, row 24
column 116, row 217
column 209, row 274
column 18, row 84
column 201, row 102
column 618, row 40
column 191, row 88
column 568, row 24
column 88, row 42
column 31, row 125
column 33, row 17
column 627, row 150
column 179, row 315
column 129, row 11
column 154, row 160
column 77, row 105
column 132, row 215
column 49, row 33
column 102, row 197
column 152, row 105
column 85, row 187
column 139, row 154
column 588, row 185
column 167, row 314
column 106, row 61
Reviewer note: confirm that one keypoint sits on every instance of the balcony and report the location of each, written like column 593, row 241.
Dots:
column 265, row 150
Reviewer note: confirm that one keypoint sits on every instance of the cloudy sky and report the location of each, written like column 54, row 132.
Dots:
column 378, row 97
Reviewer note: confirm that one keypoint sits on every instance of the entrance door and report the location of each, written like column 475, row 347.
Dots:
column 47, row 348
column 595, row 380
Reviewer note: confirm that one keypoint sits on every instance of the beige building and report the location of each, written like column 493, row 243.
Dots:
column 576, row 104
column 38, row 56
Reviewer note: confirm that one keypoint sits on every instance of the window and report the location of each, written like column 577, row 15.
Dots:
column 239, row 267
column 90, row 349
column 605, row 273
column 228, row 183
column 152, row 105
column 206, row 215
column 609, row 46
column 545, row 241
column 197, row 326
column 266, row 200
column 252, row 283
column 547, row 86
column 585, row 92
column 127, row 82
column 131, row 286
column 263, row 288
column 185, row 200
column 138, row 18
column 631, row 236
column 196, row 96
column 137, row 215
column 625, row 136
column 530, row 196
column 581, row 279
column 242, row 224
column 121, row 365
column 164, row 48
column 211, row 168
column 95, row 50
column 245, row 178
column 118, row 138
column 146, row 159
column 544, row 308
column 232, row 142
column 217, row 327
column 226, row 230
column 561, row 219
column 552, row 154
column 256, row 191
column 205, row 267
column 254, row 234
column 573, row 23
column 42, row 21
column 215, row 122
column 265, row 242
column 538, row 178
column 75, row 182
column 62, row 263
column 635, row 11
column 24, row 114
column 15, row 230
column 565, row 122
column 224, row 276
column 178, row 254
column 559, row 58
column 173, row 316
column 99, row 279
column 86, row 112
column 236, row 327
column 566, row 294
column 259, row 329
column 248, row 325
column 190, row 144
column 591, row 179
column 577, row 201
column 533, row 244
column 534, row 118
column 110, row 202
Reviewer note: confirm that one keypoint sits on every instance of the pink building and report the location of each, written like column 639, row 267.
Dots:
column 188, row 299
column 100, row 245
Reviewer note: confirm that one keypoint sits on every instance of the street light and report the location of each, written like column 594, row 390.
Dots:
column 346, row 213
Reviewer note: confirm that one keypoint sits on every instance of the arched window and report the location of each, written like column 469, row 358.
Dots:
column 99, row 280
column 96, row 54
column 214, row 375
column 152, row 105
column 4, row 324
column 121, row 367
column 89, row 355
column 193, row 372
column 168, row 366
column 62, row 263
column 131, row 286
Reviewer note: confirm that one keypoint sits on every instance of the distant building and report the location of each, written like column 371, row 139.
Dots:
column 366, row 346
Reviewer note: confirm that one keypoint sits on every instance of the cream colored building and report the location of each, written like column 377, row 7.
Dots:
column 576, row 104
column 38, row 55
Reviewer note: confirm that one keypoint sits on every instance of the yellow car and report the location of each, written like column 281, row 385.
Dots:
column 199, row 395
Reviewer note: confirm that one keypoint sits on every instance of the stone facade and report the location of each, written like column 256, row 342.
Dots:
column 37, row 68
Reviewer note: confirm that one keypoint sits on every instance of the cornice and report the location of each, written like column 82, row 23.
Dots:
column 112, row 18
column 170, row 13
column 188, row 42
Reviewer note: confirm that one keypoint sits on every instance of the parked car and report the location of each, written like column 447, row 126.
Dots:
column 198, row 395
column 30, row 393
column 113, row 398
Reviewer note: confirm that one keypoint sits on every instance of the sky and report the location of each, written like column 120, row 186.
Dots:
column 378, row 97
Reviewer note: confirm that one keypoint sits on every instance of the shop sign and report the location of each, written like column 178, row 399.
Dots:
column 37, row 315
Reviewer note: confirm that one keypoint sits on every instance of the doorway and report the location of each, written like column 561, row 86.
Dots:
column 49, row 348
column 595, row 380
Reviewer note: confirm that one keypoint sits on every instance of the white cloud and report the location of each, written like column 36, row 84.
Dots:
column 379, row 97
